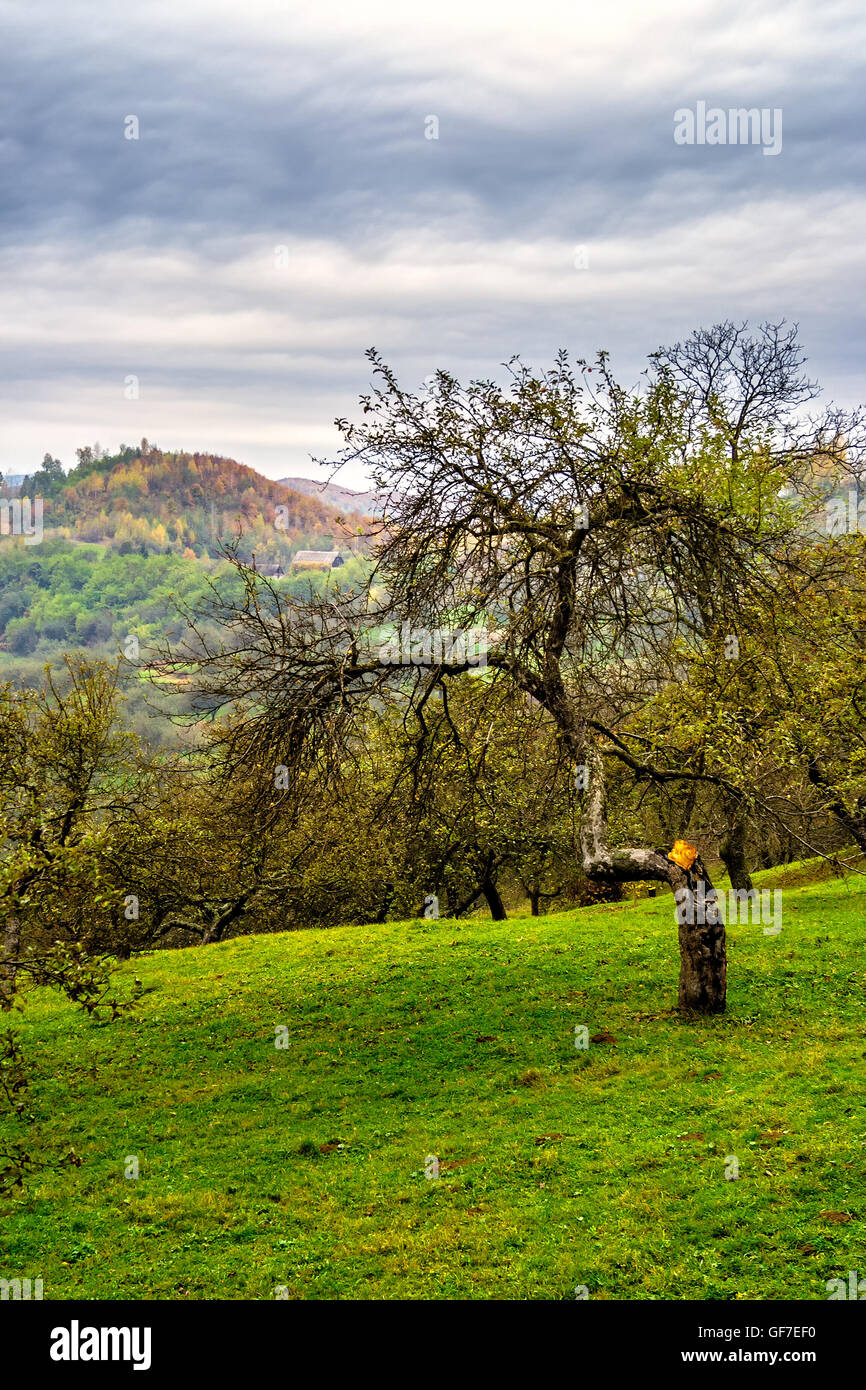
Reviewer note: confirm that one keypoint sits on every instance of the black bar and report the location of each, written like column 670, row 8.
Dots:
column 235, row 1338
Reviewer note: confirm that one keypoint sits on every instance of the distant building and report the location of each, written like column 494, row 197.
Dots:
column 317, row 559
column 270, row 571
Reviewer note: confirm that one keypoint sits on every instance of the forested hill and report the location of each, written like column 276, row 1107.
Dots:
column 144, row 499
column 128, row 537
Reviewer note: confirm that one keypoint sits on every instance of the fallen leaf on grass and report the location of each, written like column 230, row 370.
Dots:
column 331, row 1145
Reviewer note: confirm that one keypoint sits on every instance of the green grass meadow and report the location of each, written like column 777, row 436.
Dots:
column 303, row 1167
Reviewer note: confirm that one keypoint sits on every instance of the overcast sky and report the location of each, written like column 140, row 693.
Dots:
column 304, row 127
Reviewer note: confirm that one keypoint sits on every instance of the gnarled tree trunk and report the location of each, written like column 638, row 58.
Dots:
column 703, row 959
column 732, row 850
column 494, row 900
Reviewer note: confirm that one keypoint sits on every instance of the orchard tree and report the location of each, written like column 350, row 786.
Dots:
column 65, row 771
column 587, row 530
column 201, row 854
column 66, row 768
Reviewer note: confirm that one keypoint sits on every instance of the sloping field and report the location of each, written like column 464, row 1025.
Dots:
column 285, row 1098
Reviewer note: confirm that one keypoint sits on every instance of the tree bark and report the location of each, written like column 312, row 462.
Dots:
column 534, row 896
column 703, row 958
column 220, row 922
column 703, row 953
column 732, row 851
column 494, row 901
column 388, row 898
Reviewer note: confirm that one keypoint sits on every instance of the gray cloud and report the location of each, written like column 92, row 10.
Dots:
column 156, row 256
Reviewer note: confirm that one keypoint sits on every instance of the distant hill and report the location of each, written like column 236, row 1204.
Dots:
column 127, row 536
column 142, row 498
column 345, row 498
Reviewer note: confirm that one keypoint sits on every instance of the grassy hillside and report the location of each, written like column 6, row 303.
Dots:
column 304, row 1167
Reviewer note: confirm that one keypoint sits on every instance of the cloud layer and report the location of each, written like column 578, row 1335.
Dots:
column 283, row 208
